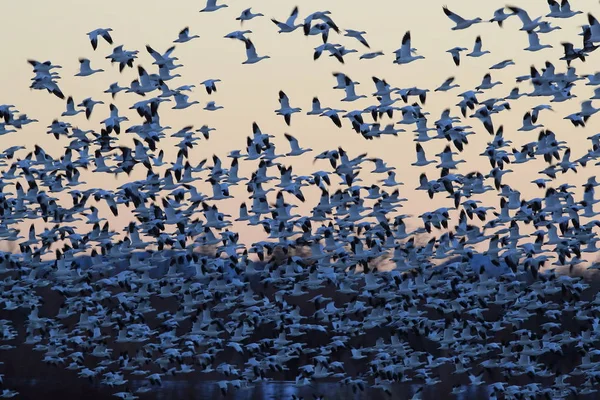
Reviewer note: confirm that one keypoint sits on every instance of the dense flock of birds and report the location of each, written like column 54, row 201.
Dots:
column 316, row 307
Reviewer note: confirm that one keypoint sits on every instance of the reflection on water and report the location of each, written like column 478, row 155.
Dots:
column 175, row 390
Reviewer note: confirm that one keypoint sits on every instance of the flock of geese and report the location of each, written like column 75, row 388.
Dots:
column 147, row 304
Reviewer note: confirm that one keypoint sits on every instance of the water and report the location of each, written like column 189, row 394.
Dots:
column 178, row 389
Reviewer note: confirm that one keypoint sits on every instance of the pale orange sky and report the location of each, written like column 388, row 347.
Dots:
column 57, row 30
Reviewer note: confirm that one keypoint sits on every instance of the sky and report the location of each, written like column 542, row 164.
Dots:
column 56, row 31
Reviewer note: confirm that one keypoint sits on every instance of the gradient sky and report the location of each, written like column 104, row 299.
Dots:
column 56, row 31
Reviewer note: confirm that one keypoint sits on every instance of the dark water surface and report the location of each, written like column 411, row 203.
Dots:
column 47, row 388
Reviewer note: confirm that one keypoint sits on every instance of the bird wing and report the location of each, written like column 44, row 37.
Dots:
column 154, row 53
column 534, row 39
column 284, row 101
column 293, row 141
column 292, row 18
column 107, row 37
column 477, row 47
column 565, row 6
column 457, row 19
column 406, row 46
column 522, row 14
column 316, row 104
column 250, row 49
column 168, row 52
column 554, row 6
column 456, row 58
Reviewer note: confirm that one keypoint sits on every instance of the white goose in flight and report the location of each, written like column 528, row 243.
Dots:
column 184, row 36
column 103, row 32
column 528, row 23
column 181, row 101
column 289, row 25
column 500, row 16
column 71, row 111
column 562, row 10
column 358, row 35
column 85, row 69
column 460, row 22
column 89, row 105
column 534, row 42
column 477, row 52
column 455, row 52
column 251, row 56
column 447, row 85
column 370, row 56
column 404, row 54
column 247, row 15
column 239, row 35
column 502, row 64
column 316, row 108
column 296, row 150
column 421, row 159
column 285, row 110
column 212, row 106
column 211, row 5
column 210, row 85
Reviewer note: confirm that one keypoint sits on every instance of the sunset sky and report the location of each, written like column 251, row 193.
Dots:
column 56, row 31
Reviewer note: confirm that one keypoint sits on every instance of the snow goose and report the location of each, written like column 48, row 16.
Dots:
column 587, row 110
column 477, row 52
column 370, row 56
column 211, row 5
column 247, row 15
column 89, row 105
column 210, row 85
column 333, row 114
column 285, row 110
column 500, row 16
column 404, row 54
column 239, row 35
column 502, row 64
column 527, row 123
column 562, row 10
column 528, row 23
column 455, row 52
column 593, row 79
column 320, row 15
column 350, row 92
column 534, row 42
column 70, row 108
column 546, row 27
column 85, row 69
column 596, row 95
column 212, row 106
column 181, row 101
column 447, row 85
column 460, row 22
column 421, row 159
column 358, row 35
column 486, row 82
column 316, row 107
column 103, row 32
column 114, row 88
column 289, row 25
column 571, row 53
column 251, row 56
column 296, row 150
column 333, row 50
column 184, row 36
